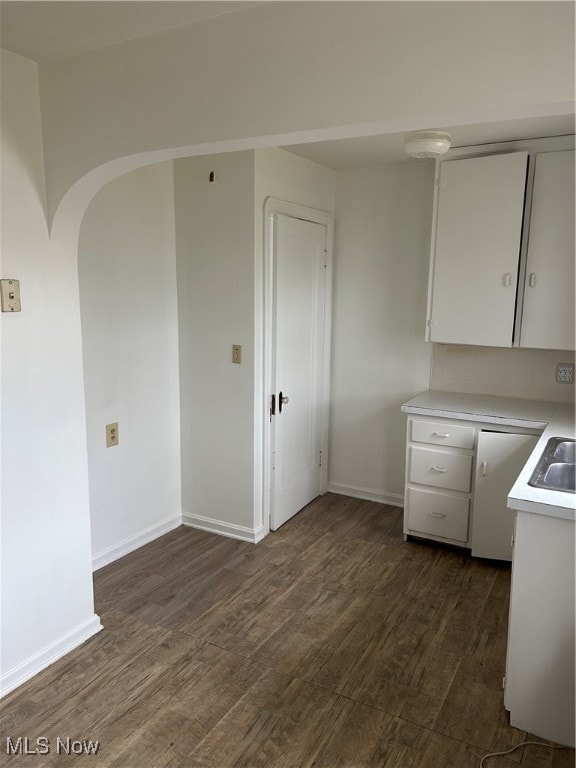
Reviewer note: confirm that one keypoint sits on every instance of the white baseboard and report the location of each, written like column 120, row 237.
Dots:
column 125, row 546
column 394, row 499
column 253, row 535
column 48, row 655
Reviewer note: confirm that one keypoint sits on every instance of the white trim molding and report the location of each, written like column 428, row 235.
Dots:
column 50, row 654
column 392, row 499
column 136, row 541
column 211, row 525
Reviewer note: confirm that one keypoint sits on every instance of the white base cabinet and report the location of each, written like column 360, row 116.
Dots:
column 539, row 683
column 438, row 480
column 458, row 476
column 437, row 515
column 499, row 458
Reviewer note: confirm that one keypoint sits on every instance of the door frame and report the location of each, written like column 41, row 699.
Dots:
column 272, row 208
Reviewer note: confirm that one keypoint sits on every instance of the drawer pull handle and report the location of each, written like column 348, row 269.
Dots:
column 440, row 469
column 440, row 434
column 437, row 514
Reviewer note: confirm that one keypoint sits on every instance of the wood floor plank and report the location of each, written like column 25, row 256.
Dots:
column 405, row 745
column 331, row 644
column 281, row 721
column 351, row 563
column 246, row 618
column 127, row 589
column 400, row 672
column 368, row 738
column 123, row 639
column 354, row 518
column 473, row 710
column 175, row 604
column 305, row 642
column 356, row 740
column 185, row 704
column 544, row 757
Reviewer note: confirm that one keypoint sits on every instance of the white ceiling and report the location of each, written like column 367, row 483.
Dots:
column 368, row 151
column 47, row 30
column 42, row 31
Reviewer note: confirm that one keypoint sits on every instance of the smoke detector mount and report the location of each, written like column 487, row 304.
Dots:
column 422, row 144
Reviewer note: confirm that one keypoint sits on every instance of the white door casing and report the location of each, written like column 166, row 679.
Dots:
column 299, row 261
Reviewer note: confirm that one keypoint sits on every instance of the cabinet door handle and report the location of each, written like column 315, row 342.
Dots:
column 440, row 434
column 507, row 279
column 440, row 469
column 484, row 468
column 437, row 514
column 532, row 280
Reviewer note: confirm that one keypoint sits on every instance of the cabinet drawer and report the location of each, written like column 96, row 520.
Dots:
column 437, row 514
column 454, row 435
column 442, row 469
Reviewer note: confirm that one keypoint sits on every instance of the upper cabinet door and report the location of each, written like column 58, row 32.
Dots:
column 478, row 233
column 548, row 312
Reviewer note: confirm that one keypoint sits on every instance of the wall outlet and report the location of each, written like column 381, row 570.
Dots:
column 565, row 373
column 112, row 434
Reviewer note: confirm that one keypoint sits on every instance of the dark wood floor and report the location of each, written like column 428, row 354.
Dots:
column 331, row 644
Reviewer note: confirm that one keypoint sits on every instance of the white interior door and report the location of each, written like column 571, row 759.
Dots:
column 298, row 360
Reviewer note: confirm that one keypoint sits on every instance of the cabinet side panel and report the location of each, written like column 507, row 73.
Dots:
column 540, row 661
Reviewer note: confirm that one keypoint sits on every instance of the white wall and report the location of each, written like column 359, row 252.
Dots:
column 47, row 605
column 291, row 178
column 219, row 237
column 529, row 373
column 290, row 67
column 127, row 272
column 379, row 357
column 215, row 258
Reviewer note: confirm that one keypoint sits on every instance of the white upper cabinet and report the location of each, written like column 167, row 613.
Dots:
column 502, row 257
column 480, row 208
column 548, row 310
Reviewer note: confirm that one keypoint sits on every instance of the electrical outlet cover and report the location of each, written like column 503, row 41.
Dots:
column 112, row 437
column 565, row 373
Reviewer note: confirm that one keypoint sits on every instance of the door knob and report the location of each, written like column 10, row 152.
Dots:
column 282, row 400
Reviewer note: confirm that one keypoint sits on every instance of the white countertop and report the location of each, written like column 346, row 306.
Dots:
column 555, row 419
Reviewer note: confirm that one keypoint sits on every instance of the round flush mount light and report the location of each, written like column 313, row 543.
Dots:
column 427, row 143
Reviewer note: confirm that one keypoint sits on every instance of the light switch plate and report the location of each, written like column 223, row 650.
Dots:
column 236, row 353
column 10, row 294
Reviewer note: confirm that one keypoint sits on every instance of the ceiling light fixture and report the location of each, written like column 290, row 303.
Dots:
column 427, row 143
